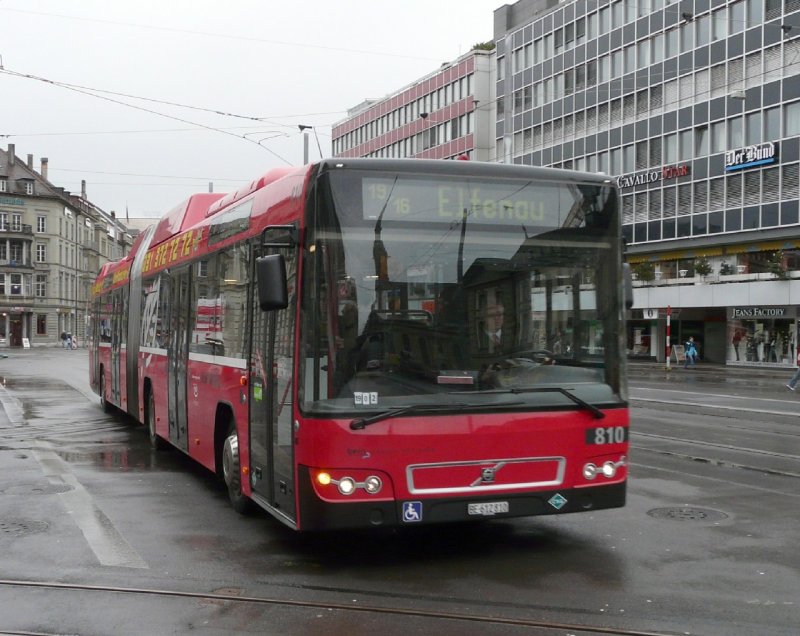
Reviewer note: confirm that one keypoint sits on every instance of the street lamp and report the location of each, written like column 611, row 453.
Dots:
column 303, row 129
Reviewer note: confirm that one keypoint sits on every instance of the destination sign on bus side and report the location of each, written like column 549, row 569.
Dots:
column 172, row 251
column 112, row 280
column 506, row 203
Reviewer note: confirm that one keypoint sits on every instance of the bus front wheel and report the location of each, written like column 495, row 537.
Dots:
column 232, row 473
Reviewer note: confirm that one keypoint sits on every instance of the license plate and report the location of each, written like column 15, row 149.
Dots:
column 487, row 509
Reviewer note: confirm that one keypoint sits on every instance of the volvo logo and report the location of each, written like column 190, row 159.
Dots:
column 488, row 474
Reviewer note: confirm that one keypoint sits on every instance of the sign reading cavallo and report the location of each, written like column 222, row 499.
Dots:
column 651, row 176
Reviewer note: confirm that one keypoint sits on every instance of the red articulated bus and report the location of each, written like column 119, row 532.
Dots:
column 360, row 343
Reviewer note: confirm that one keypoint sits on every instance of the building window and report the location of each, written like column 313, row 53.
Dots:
column 736, row 17
column 686, row 145
column 41, row 285
column 735, row 133
column 670, row 148
column 16, row 284
column 16, row 222
column 41, row 224
column 29, row 187
column 703, row 30
column 41, row 324
column 3, row 185
column 671, row 43
column 755, row 12
column 701, row 141
column 718, row 136
column 753, row 128
column 791, row 120
column 41, row 253
column 2, row 284
column 719, row 24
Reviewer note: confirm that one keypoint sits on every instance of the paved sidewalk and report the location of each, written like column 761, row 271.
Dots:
column 652, row 366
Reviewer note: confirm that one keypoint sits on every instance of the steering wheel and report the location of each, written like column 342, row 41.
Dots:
column 543, row 356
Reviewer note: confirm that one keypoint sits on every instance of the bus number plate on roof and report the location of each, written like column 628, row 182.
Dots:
column 487, row 509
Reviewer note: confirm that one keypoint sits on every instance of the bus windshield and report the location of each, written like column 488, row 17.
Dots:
column 440, row 289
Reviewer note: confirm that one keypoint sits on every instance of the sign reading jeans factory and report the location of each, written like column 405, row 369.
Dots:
column 750, row 156
column 758, row 312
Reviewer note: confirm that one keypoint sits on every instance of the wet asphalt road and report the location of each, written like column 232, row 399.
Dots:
column 100, row 535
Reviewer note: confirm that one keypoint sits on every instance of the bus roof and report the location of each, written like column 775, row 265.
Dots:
column 255, row 184
column 183, row 216
column 466, row 168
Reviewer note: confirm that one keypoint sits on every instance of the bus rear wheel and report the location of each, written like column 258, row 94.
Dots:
column 156, row 443
column 232, row 473
column 107, row 406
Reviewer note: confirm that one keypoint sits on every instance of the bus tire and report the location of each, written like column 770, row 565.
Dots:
column 107, row 406
column 156, row 443
column 232, row 473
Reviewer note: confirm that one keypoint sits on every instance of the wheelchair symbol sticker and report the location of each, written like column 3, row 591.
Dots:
column 412, row 511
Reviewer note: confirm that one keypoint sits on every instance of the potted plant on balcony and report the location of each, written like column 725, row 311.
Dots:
column 645, row 271
column 777, row 266
column 702, row 267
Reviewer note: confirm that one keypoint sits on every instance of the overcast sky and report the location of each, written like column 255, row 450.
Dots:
column 285, row 63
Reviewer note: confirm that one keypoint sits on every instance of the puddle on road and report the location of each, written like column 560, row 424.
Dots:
column 116, row 458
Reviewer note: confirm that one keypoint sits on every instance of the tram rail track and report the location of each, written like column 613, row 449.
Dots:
column 485, row 619
column 684, row 446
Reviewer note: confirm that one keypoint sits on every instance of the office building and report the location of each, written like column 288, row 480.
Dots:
column 445, row 115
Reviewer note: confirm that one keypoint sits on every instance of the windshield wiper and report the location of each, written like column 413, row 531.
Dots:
column 360, row 422
column 598, row 414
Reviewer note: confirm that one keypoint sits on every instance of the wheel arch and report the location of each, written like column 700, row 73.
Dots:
column 223, row 419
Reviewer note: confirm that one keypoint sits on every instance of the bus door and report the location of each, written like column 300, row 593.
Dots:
column 178, row 353
column 117, row 310
column 271, row 402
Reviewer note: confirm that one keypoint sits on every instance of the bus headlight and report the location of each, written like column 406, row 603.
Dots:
column 373, row 484
column 609, row 469
column 347, row 485
column 351, row 483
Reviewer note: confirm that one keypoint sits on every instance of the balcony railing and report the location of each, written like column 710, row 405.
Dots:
column 683, row 279
column 12, row 262
column 11, row 228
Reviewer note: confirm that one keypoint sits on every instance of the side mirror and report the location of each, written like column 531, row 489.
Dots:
column 627, row 285
column 271, row 274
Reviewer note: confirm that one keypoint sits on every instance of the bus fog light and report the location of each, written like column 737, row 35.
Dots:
column 609, row 469
column 373, row 484
column 347, row 485
column 589, row 471
column 323, row 479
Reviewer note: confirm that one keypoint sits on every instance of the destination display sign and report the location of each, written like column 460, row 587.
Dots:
column 173, row 251
column 414, row 199
column 751, row 156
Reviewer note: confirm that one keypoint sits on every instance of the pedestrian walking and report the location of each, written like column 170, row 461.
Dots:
column 690, row 351
column 796, row 377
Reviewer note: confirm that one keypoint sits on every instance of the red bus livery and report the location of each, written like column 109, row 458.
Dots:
column 361, row 343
